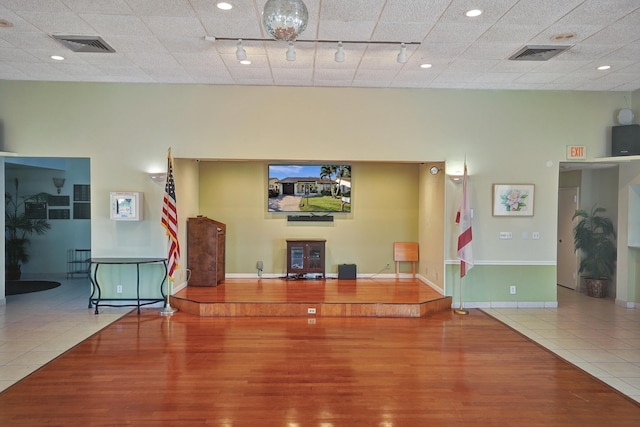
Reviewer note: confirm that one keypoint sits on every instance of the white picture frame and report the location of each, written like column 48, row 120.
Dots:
column 513, row 199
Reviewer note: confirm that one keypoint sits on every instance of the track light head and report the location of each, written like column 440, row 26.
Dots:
column 339, row 56
column 241, row 54
column 291, row 52
column 402, row 56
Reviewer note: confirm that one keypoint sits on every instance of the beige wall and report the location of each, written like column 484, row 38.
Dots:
column 125, row 129
column 384, row 209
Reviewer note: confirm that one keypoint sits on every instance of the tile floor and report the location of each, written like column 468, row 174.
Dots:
column 593, row 334
column 37, row 327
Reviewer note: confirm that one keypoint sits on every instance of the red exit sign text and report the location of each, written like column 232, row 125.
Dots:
column 576, row 152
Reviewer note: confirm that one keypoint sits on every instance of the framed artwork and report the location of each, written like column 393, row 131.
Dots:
column 35, row 210
column 513, row 199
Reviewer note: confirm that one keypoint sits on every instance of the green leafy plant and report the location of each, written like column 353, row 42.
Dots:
column 595, row 236
column 18, row 228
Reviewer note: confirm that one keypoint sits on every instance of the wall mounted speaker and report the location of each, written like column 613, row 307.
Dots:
column 625, row 140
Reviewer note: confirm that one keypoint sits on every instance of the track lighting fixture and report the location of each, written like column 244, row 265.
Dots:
column 339, row 53
column 339, row 56
column 291, row 52
column 402, row 56
column 241, row 54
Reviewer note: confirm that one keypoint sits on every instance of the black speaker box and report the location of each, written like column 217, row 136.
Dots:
column 347, row 272
column 625, row 140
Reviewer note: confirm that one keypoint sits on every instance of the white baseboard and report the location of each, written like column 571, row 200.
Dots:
column 627, row 304
column 509, row 304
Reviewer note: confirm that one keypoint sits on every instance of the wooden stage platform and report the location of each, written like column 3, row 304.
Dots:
column 312, row 298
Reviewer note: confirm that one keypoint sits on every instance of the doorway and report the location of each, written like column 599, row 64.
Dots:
column 567, row 269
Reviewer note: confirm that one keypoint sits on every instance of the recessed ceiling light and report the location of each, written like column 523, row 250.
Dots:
column 224, row 5
column 5, row 24
column 473, row 13
column 57, row 57
column 603, row 67
column 426, row 65
column 245, row 62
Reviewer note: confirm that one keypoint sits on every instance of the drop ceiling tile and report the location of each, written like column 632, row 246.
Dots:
column 399, row 32
column 540, row 12
column 176, row 8
column 454, row 76
column 334, row 74
column 154, row 60
column 98, row 6
column 455, row 33
column 237, row 29
column 281, row 74
column 136, row 45
column 352, row 10
column 207, row 76
column 187, row 45
column 16, row 55
column 61, row 23
column 35, row 5
column 116, row 25
column 607, row 30
column 189, row 60
column 168, row 74
column 346, row 31
column 600, row 12
column 536, row 77
column 163, row 26
column 472, row 64
column 31, row 40
column 497, row 78
column 491, row 51
column 19, row 24
column 426, row 12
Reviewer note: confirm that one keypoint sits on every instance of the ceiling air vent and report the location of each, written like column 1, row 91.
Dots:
column 537, row 53
column 85, row 43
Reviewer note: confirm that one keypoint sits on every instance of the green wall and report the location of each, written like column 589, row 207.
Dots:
column 488, row 285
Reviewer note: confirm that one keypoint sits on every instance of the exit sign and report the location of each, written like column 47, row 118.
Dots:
column 576, row 152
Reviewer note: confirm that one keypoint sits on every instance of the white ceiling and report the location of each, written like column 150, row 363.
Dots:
column 163, row 41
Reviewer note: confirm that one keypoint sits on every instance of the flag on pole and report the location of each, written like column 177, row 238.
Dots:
column 463, row 218
column 170, row 219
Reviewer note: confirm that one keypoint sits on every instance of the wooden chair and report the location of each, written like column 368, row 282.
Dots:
column 405, row 252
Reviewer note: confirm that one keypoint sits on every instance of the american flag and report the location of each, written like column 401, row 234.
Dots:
column 463, row 218
column 170, row 219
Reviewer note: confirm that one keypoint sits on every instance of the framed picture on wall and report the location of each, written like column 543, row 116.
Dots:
column 513, row 199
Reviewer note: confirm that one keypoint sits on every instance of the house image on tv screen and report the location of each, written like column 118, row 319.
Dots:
column 309, row 188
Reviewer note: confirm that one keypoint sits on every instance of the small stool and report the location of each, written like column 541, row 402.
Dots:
column 405, row 252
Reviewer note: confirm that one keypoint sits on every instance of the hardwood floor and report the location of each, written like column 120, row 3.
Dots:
column 383, row 297
column 444, row 369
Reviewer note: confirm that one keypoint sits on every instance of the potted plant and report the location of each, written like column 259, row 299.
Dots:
column 18, row 226
column 595, row 236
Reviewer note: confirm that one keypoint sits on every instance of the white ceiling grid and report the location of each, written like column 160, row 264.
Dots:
column 163, row 41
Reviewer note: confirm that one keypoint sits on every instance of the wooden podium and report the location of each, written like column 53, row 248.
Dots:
column 205, row 251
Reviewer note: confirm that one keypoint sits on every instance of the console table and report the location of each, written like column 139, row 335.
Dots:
column 96, row 292
column 305, row 257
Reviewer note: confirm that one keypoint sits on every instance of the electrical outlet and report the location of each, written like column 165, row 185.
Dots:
column 512, row 289
column 259, row 265
column 119, row 289
column 311, row 310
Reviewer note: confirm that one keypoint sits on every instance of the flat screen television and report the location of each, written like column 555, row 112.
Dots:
column 309, row 188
